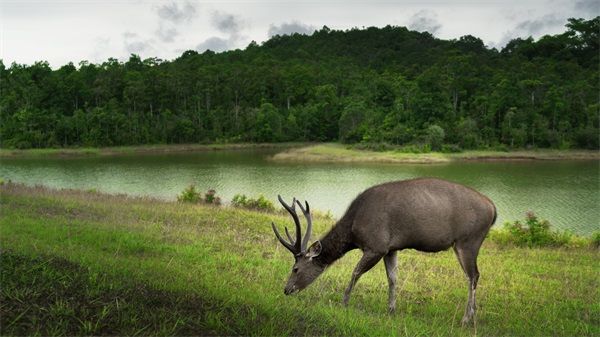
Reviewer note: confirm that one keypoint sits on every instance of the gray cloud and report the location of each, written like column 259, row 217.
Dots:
column 289, row 28
column 215, row 44
column 589, row 7
column 135, row 45
column 533, row 27
column 166, row 33
column 176, row 12
column 425, row 21
column 227, row 23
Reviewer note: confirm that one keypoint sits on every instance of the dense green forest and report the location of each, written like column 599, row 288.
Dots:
column 369, row 85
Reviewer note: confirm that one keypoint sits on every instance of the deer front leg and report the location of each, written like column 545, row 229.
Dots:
column 368, row 260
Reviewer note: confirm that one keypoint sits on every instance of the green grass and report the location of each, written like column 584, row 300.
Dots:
column 334, row 152
column 80, row 263
column 159, row 148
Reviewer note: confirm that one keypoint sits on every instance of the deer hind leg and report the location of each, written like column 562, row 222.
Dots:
column 391, row 261
column 467, row 256
column 368, row 260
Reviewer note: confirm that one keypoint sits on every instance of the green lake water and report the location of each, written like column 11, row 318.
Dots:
column 565, row 192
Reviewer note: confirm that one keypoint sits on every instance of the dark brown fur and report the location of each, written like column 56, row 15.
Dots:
column 425, row 214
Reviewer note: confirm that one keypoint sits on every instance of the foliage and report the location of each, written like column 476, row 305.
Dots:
column 596, row 240
column 211, row 198
column 260, row 203
column 435, row 137
column 393, row 85
column 535, row 232
column 191, row 195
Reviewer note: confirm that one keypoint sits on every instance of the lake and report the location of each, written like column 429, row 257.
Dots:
column 565, row 192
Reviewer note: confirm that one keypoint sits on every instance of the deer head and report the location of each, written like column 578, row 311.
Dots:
column 305, row 269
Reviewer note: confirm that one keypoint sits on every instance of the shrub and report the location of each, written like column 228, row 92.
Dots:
column 595, row 240
column 211, row 198
column 260, row 203
column 535, row 232
column 451, row 148
column 435, row 136
column 190, row 194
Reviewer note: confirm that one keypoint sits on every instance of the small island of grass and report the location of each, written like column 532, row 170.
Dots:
column 335, row 152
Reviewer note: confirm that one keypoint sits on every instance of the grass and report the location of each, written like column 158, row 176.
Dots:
column 335, row 152
column 159, row 148
column 80, row 263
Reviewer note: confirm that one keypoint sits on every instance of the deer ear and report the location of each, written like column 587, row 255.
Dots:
column 314, row 250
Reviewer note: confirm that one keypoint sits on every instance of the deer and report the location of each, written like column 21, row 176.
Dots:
column 425, row 214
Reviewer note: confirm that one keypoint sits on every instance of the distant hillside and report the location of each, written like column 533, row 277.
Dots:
column 361, row 85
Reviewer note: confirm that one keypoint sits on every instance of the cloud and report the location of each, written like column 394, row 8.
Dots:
column 176, row 12
column 534, row 28
column 425, row 21
column 215, row 44
column 227, row 23
column 589, row 7
column 166, row 33
column 135, row 45
column 289, row 28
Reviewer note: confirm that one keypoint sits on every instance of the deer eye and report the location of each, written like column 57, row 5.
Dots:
column 295, row 270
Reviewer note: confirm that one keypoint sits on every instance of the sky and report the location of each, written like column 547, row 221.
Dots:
column 71, row 31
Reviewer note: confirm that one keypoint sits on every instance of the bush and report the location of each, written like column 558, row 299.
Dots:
column 191, row 195
column 435, row 136
column 451, row 148
column 260, row 203
column 535, row 232
column 211, row 198
column 596, row 240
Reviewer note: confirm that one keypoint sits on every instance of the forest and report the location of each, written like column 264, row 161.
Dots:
column 373, row 85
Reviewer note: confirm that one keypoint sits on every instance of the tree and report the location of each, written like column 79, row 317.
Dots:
column 435, row 136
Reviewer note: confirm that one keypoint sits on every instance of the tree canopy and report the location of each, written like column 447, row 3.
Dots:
column 385, row 84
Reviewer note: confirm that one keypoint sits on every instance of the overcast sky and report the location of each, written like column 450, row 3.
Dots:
column 94, row 30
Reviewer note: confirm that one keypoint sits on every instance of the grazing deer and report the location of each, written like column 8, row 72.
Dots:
column 426, row 214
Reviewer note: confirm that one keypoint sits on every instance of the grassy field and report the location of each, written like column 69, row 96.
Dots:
column 160, row 148
column 334, row 152
column 81, row 263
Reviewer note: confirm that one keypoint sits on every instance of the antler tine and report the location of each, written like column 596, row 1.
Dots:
column 283, row 242
column 308, row 217
column 292, row 210
column 289, row 236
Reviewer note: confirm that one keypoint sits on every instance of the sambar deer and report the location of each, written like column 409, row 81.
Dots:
column 425, row 214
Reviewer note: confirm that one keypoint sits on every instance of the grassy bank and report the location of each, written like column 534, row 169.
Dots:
column 88, row 263
column 334, row 152
column 160, row 148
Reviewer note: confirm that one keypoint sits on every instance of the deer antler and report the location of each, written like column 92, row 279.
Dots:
column 299, row 245
column 306, row 212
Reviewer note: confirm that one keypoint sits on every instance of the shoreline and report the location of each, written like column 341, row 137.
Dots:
column 335, row 152
column 139, row 149
column 314, row 152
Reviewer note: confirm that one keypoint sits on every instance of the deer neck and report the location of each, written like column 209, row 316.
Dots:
column 334, row 245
